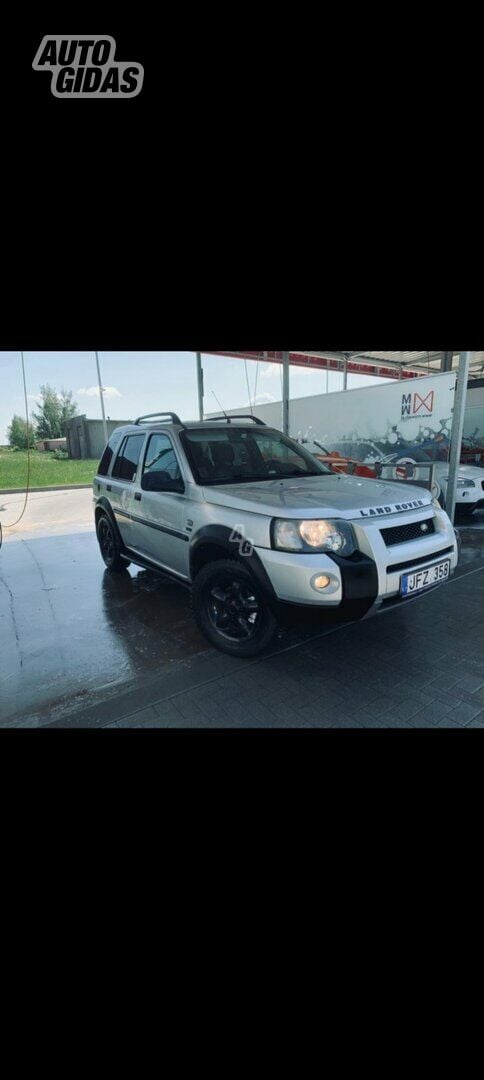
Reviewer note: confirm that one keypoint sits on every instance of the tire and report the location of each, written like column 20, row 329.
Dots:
column 464, row 511
column 109, row 545
column 225, row 598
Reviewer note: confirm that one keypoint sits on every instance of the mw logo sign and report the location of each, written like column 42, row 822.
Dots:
column 416, row 405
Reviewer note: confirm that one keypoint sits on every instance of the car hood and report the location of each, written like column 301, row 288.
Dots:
column 467, row 472
column 334, row 495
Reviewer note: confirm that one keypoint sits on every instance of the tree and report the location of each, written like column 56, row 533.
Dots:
column 55, row 409
column 17, row 433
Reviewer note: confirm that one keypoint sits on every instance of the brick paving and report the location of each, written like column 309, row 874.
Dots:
column 418, row 667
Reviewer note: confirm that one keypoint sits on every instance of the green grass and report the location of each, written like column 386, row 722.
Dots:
column 45, row 471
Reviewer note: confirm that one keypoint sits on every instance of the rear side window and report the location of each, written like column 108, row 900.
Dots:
column 126, row 464
column 107, row 457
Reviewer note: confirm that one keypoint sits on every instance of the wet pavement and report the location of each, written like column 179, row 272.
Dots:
column 472, row 535
column 72, row 633
column 82, row 647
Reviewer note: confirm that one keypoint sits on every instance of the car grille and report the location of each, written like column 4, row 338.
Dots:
column 399, row 534
column 418, row 562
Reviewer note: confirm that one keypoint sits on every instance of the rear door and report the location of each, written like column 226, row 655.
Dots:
column 122, row 483
column 159, row 520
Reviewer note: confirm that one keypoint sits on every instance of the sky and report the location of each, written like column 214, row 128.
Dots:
column 142, row 382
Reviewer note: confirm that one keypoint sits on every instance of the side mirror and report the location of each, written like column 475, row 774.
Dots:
column 161, row 481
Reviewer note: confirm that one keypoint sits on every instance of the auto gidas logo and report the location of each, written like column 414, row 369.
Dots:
column 84, row 66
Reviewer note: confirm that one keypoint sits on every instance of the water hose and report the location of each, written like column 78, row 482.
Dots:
column 27, row 486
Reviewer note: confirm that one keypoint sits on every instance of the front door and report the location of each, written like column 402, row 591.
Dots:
column 159, row 518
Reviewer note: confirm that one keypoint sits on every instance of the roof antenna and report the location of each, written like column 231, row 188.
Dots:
column 220, row 407
column 248, row 388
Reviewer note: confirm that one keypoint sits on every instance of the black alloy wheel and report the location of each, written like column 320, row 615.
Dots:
column 109, row 545
column 231, row 610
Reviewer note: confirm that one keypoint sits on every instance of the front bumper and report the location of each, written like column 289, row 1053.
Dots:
column 368, row 581
column 472, row 504
column 473, row 496
column 476, row 500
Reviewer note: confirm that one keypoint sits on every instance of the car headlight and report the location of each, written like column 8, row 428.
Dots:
column 465, row 483
column 317, row 535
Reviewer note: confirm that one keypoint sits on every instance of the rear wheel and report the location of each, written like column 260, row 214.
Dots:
column 109, row 545
column 230, row 609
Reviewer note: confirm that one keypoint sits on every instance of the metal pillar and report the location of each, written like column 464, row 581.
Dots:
column 457, row 429
column 446, row 361
column 101, row 391
column 345, row 375
column 200, row 385
column 285, row 393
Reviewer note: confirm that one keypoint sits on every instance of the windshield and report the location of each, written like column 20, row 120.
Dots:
column 236, row 455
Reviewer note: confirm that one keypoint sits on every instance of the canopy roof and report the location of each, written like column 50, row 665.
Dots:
column 391, row 365
column 424, row 363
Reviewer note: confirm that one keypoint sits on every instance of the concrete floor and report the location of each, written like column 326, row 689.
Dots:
column 83, row 648
column 47, row 513
column 72, row 633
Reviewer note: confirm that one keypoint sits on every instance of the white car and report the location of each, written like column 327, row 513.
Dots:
column 470, row 486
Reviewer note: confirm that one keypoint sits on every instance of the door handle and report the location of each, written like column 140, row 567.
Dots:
column 108, row 487
column 137, row 496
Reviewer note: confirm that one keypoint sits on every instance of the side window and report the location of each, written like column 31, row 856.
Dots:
column 161, row 458
column 126, row 462
column 107, row 457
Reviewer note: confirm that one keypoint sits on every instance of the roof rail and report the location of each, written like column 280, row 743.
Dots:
column 238, row 416
column 151, row 416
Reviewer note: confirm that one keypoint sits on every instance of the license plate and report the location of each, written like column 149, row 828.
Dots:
column 423, row 579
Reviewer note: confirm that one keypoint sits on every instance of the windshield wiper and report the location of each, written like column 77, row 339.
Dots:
column 300, row 475
column 241, row 478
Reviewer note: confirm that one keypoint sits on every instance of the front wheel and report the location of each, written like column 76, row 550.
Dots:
column 231, row 610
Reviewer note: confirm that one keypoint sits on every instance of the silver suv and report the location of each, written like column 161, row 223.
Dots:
column 260, row 528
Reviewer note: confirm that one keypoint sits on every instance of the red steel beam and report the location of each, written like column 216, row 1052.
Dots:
column 325, row 363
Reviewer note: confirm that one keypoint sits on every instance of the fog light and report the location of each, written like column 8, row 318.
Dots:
column 321, row 582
